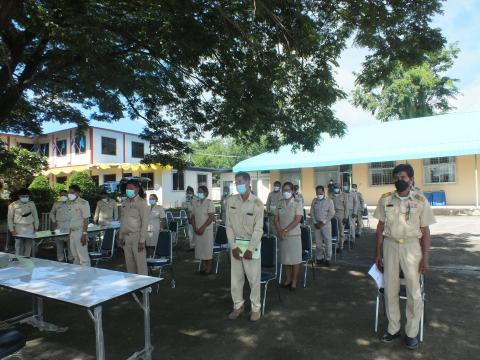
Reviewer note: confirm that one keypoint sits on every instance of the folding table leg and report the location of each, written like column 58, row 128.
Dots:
column 100, row 344
column 146, row 319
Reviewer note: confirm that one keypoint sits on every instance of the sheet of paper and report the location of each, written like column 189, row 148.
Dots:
column 243, row 246
column 377, row 275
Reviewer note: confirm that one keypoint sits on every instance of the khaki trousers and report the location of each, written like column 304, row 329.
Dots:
column 341, row 229
column 323, row 239
column 79, row 252
column 351, row 224
column 252, row 269
column 406, row 256
column 136, row 261
column 23, row 247
column 359, row 223
column 60, row 243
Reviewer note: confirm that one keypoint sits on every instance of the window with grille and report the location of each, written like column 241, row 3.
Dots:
column 148, row 185
column 178, row 180
column 61, row 147
column 439, row 170
column 80, row 144
column 202, row 179
column 138, row 149
column 109, row 146
column 380, row 173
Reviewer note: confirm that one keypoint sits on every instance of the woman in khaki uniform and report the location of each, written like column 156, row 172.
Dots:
column 157, row 222
column 287, row 223
column 202, row 218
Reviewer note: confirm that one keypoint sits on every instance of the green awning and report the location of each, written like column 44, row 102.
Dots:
column 434, row 136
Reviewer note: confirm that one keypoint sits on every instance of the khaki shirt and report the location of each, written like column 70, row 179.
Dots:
column 106, row 212
column 201, row 211
column 272, row 200
column 22, row 214
column 188, row 204
column 135, row 217
column 224, row 207
column 60, row 213
column 352, row 202
column 80, row 211
column 340, row 205
column 403, row 218
column 322, row 211
column 361, row 202
column 287, row 211
column 301, row 198
column 244, row 220
column 156, row 214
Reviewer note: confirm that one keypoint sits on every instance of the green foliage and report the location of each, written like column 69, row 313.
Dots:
column 57, row 188
column 416, row 91
column 238, row 69
column 4, row 208
column 42, row 194
column 18, row 167
column 89, row 190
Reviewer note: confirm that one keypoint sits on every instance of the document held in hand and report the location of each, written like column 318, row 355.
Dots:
column 377, row 275
column 243, row 246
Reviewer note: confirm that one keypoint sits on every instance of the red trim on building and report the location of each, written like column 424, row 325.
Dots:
column 70, row 143
column 91, row 145
column 8, row 141
column 124, row 149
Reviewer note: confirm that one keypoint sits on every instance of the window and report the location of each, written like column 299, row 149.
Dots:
column 148, row 185
column 25, row 146
column 137, row 149
column 178, row 179
column 109, row 146
column 61, row 179
column 109, row 177
column 126, row 175
column 95, row 180
column 79, row 144
column 61, row 147
column 380, row 173
column 439, row 170
column 44, row 149
column 202, row 179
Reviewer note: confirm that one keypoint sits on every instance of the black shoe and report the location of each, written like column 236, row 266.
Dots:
column 327, row 263
column 320, row 262
column 191, row 250
column 387, row 338
column 339, row 251
column 412, row 343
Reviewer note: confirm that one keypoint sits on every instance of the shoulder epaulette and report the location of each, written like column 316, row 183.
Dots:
column 387, row 194
column 420, row 197
column 258, row 202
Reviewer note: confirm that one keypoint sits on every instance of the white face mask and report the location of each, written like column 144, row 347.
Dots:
column 320, row 197
column 105, row 200
column 63, row 198
column 276, row 188
column 201, row 196
column 24, row 199
column 72, row 197
column 287, row 195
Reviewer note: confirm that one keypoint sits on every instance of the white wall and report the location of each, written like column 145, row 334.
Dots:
column 175, row 198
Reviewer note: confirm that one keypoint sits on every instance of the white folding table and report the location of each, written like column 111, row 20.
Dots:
column 87, row 287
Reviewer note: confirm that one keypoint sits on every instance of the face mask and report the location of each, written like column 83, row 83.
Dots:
column 189, row 196
column 320, row 197
column 72, row 197
column 130, row 193
column 201, row 196
column 401, row 185
column 276, row 188
column 63, row 198
column 287, row 195
column 354, row 190
column 241, row 189
column 336, row 191
column 105, row 200
column 346, row 188
column 24, row 199
column 225, row 193
column 152, row 201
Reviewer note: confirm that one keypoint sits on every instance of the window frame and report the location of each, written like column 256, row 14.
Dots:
column 104, row 175
column 370, row 173
column 173, row 180
column 427, row 167
column 57, row 149
column 115, row 145
column 206, row 179
column 76, row 145
column 143, row 149
column 150, row 185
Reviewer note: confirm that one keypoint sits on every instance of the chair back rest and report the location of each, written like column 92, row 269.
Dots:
column 183, row 215
column 169, row 216
column 108, row 240
column 269, row 252
column 221, row 235
column 265, row 224
column 365, row 211
column 306, row 239
column 173, row 226
column 163, row 248
column 335, row 230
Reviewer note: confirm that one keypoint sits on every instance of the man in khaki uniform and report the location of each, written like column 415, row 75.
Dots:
column 106, row 210
column 273, row 198
column 299, row 196
column 244, row 221
column 134, row 229
column 60, row 217
column 322, row 211
column 361, row 204
column 80, row 213
column 225, row 195
column 188, row 205
column 403, row 231
column 340, row 204
column 22, row 218
column 352, row 210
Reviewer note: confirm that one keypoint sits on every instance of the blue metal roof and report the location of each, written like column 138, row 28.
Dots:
column 123, row 125
column 452, row 134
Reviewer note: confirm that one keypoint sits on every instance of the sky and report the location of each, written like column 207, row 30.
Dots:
column 460, row 23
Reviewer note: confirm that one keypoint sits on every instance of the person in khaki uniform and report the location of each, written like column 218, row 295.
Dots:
column 322, row 211
column 60, row 217
column 22, row 218
column 80, row 213
column 133, row 233
column 157, row 222
column 244, row 221
column 287, row 223
column 273, row 198
column 188, row 205
column 352, row 210
column 361, row 204
column 202, row 222
column 225, row 195
column 403, row 231
column 106, row 210
column 340, row 204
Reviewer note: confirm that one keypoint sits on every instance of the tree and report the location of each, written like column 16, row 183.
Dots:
column 18, row 167
column 42, row 194
column 89, row 190
column 242, row 69
column 410, row 92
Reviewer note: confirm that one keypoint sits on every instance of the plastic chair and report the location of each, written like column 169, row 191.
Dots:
column 365, row 217
column 183, row 222
column 220, row 245
column 335, row 235
column 269, row 266
column 163, row 255
column 403, row 296
column 169, row 216
column 107, row 248
column 173, row 227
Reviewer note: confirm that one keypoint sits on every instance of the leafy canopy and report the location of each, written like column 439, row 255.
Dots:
column 238, row 68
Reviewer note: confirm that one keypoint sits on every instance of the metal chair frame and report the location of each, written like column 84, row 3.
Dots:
column 274, row 265
column 110, row 250
column 168, row 255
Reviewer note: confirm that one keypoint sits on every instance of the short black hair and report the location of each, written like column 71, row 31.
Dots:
column 354, row 186
column 204, row 189
column 319, row 187
column 74, row 187
column 287, row 183
column 154, row 196
column 244, row 175
column 277, row 183
column 403, row 167
column 23, row 192
column 190, row 189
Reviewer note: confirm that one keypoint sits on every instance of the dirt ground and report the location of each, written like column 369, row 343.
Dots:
column 331, row 319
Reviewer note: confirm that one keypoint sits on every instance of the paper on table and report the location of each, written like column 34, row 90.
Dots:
column 377, row 275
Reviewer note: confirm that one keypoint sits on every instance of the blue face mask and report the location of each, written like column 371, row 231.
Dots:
column 152, row 201
column 130, row 193
column 241, row 189
column 201, row 196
